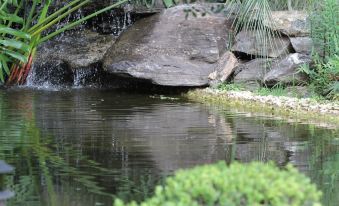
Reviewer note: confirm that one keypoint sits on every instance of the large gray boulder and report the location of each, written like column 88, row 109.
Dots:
column 168, row 49
column 248, row 42
column 290, row 23
column 286, row 71
column 251, row 74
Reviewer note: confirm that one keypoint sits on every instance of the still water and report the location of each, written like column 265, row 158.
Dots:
column 86, row 147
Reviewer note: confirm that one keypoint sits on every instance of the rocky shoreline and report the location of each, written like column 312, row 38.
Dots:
column 324, row 112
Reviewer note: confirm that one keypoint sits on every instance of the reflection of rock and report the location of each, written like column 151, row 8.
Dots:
column 264, row 151
column 248, row 42
column 133, row 132
column 167, row 49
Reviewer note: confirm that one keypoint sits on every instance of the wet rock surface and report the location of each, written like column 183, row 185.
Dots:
column 169, row 50
column 77, row 49
column 60, row 61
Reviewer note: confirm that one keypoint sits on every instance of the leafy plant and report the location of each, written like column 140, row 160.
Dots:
column 324, row 73
column 237, row 184
column 325, row 29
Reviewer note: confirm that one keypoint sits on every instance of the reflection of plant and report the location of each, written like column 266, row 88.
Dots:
column 39, row 164
column 238, row 184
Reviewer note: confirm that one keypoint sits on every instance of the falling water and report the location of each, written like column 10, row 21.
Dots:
column 113, row 22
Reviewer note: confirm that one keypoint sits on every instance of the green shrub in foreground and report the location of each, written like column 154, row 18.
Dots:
column 238, row 184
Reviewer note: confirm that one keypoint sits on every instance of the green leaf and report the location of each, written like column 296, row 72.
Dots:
column 168, row 3
column 14, row 32
column 11, row 17
column 15, row 44
column 16, row 55
column 2, row 78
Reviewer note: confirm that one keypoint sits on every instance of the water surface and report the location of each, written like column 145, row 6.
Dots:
column 86, row 147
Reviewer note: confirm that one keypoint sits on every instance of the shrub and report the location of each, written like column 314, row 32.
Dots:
column 234, row 185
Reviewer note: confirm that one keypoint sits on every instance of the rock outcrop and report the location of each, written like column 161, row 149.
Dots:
column 168, row 49
column 302, row 45
column 286, row 72
column 290, row 23
column 226, row 66
column 248, row 42
column 251, row 74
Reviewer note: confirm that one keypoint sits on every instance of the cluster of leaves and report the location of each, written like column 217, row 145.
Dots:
column 13, row 44
column 237, row 184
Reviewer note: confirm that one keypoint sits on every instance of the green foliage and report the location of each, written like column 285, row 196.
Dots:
column 324, row 77
column 237, row 184
column 325, row 29
column 13, row 44
column 230, row 87
column 324, row 74
column 277, row 90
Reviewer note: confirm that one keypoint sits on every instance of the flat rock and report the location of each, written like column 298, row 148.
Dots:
column 286, row 72
column 169, row 50
column 290, row 23
column 225, row 67
column 248, row 42
column 302, row 45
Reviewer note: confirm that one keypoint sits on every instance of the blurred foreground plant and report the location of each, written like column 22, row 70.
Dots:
column 237, row 184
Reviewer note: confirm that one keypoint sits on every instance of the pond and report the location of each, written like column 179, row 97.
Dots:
column 86, row 147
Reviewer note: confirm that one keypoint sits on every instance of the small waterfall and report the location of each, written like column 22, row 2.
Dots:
column 56, row 74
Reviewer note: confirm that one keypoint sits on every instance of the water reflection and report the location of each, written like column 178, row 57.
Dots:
column 87, row 147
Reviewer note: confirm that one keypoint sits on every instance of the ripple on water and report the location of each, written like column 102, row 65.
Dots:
column 83, row 147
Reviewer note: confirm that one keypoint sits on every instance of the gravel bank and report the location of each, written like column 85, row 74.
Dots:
column 304, row 110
